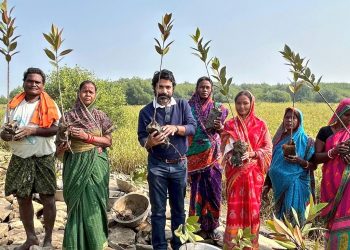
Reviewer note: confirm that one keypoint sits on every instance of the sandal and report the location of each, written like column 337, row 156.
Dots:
column 215, row 235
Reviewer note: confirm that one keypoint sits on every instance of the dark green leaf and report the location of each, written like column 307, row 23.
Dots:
column 161, row 28
column 13, row 46
column 15, row 53
column 3, row 52
column 307, row 72
column 65, row 52
column 206, row 44
column 167, row 18
column 6, row 41
column 158, row 43
column 50, row 54
column 229, row 81
column 14, row 38
column 223, row 72
column 167, row 46
column 10, row 31
column 48, row 38
column 165, row 35
column 198, row 33
column 159, row 50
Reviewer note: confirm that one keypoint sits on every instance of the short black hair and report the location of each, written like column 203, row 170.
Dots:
column 246, row 93
column 86, row 82
column 203, row 78
column 34, row 71
column 165, row 75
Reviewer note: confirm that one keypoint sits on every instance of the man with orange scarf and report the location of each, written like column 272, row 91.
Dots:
column 31, row 168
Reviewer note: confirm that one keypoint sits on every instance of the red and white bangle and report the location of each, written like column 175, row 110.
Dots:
column 330, row 153
column 90, row 139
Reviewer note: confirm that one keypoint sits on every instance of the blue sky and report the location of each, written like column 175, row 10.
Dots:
column 114, row 38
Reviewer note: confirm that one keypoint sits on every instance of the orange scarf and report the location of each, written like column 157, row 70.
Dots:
column 45, row 113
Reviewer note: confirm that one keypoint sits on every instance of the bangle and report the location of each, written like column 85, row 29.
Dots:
column 177, row 129
column 90, row 139
column 330, row 152
column 307, row 165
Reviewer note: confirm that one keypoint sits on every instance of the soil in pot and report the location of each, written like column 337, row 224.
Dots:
column 11, row 127
column 289, row 149
column 239, row 148
column 155, row 126
column 347, row 143
column 214, row 114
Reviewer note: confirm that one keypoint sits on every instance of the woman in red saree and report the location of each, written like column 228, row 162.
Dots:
column 245, row 182
column 332, row 150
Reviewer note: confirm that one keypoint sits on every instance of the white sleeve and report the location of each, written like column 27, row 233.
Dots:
column 229, row 146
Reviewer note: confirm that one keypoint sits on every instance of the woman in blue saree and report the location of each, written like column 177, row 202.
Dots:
column 291, row 176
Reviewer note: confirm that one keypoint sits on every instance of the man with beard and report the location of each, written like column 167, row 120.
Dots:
column 167, row 163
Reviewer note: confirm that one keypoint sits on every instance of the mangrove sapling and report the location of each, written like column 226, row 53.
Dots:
column 186, row 231
column 7, row 28
column 292, row 234
column 303, row 73
column 201, row 51
column 290, row 147
column 162, row 49
column 54, row 38
column 243, row 239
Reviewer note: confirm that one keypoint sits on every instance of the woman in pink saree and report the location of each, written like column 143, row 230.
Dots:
column 333, row 151
column 245, row 181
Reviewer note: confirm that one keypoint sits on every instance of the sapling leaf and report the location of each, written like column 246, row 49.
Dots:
column 50, row 54
column 296, row 217
column 65, row 52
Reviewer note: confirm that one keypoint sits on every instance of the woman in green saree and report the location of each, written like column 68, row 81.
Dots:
column 86, row 173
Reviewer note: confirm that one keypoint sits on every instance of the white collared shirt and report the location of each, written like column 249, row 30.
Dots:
column 157, row 105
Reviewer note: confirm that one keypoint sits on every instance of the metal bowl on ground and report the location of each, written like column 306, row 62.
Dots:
column 131, row 209
column 198, row 246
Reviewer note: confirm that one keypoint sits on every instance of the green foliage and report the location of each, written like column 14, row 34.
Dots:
column 139, row 175
column 3, row 99
column 7, row 28
column 54, row 38
column 201, row 51
column 243, row 239
column 293, row 236
column 110, row 96
column 276, row 96
column 186, row 232
column 16, row 91
column 302, row 72
column 165, row 28
column 137, row 90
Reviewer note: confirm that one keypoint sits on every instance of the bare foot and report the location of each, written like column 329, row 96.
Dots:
column 28, row 243
column 47, row 242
